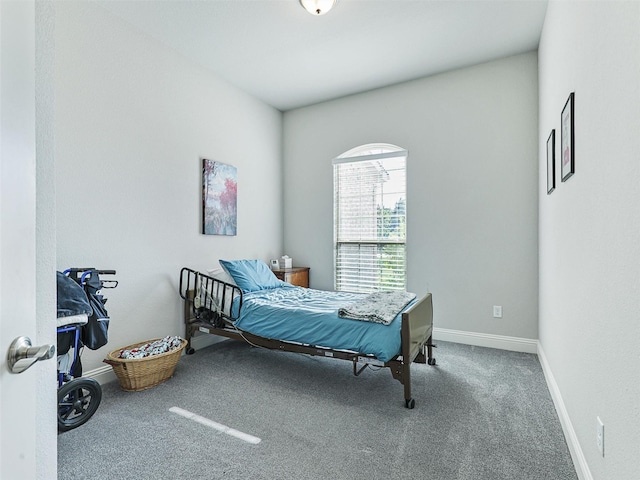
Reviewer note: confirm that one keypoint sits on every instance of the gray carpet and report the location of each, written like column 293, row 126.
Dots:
column 480, row 414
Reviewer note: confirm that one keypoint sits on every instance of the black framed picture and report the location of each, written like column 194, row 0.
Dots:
column 567, row 146
column 551, row 162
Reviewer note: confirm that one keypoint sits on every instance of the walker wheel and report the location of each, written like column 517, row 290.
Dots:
column 78, row 400
column 190, row 351
column 409, row 403
column 431, row 361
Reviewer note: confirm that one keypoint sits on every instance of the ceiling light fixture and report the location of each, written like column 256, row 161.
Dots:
column 317, row 7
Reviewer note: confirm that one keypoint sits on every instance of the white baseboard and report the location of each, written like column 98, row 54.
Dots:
column 502, row 342
column 579, row 462
column 101, row 374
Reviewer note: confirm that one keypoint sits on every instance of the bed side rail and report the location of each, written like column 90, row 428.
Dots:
column 210, row 299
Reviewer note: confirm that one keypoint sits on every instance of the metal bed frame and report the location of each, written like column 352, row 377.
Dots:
column 214, row 315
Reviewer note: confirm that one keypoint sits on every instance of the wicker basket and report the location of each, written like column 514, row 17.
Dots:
column 137, row 374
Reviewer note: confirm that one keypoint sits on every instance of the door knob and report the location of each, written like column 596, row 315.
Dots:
column 22, row 355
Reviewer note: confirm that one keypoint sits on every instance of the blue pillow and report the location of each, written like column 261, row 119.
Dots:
column 251, row 275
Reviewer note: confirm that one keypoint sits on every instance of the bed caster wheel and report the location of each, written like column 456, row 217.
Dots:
column 190, row 351
column 409, row 403
column 431, row 361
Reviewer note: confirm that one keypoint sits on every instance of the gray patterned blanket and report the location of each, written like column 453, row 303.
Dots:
column 379, row 307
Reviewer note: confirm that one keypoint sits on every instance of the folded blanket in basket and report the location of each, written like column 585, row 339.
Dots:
column 156, row 347
column 379, row 307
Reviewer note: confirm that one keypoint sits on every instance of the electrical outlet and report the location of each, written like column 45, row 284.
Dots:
column 497, row 311
column 600, row 435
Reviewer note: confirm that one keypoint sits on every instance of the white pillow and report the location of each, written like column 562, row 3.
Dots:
column 221, row 274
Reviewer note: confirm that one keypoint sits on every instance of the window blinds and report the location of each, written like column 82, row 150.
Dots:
column 370, row 222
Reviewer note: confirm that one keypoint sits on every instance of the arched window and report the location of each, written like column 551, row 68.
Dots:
column 370, row 212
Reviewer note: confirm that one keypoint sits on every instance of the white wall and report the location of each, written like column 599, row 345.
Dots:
column 133, row 120
column 589, row 229
column 472, row 188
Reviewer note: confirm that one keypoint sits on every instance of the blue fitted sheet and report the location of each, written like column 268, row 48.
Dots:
column 309, row 316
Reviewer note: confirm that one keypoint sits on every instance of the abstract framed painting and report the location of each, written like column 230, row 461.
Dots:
column 551, row 162
column 567, row 145
column 219, row 198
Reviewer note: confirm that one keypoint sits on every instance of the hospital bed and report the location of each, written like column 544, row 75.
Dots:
column 276, row 315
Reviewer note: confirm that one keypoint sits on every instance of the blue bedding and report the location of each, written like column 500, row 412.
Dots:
column 304, row 315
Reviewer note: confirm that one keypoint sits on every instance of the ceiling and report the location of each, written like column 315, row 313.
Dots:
column 279, row 53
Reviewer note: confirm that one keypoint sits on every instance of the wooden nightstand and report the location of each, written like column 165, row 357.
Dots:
column 298, row 276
